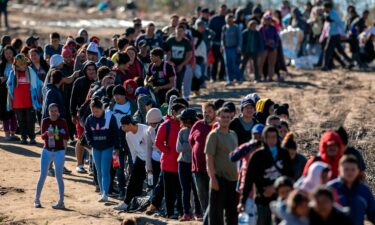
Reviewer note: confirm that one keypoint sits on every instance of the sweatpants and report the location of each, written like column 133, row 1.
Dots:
column 26, row 122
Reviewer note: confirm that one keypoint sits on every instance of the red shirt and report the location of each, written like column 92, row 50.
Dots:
column 62, row 133
column 21, row 93
column 135, row 70
column 197, row 140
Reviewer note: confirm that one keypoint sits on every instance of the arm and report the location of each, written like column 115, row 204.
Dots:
column 191, row 136
column 88, row 132
column 243, row 150
column 183, row 144
column 73, row 98
column 210, row 150
column 160, row 139
column 188, row 57
column 239, row 34
column 370, row 211
column 249, row 179
column 115, row 132
column 71, row 78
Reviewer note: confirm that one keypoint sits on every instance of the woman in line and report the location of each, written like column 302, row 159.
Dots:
column 55, row 136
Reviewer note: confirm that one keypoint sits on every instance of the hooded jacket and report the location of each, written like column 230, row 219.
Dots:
column 313, row 178
column 328, row 137
column 169, row 157
column 81, row 87
column 52, row 95
column 262, row 109
column 140, row 115
column 134, row 86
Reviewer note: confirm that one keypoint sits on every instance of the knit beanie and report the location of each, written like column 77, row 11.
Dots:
column 141, row 91
column 56, row 60
column 154, row 116
column 281, row 109
column 231, row 106
column 245, row 102
column 253, row 96
column 119, row 90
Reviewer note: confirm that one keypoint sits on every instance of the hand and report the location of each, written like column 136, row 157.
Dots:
column 214, row 184
column 50, row 134
column 73, row 119
column 179, row 68
column 76, row 74
column 156, row 90
column 268, row 191
column 240, row 208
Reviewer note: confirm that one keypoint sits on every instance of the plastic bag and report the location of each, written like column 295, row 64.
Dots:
column 198, row 71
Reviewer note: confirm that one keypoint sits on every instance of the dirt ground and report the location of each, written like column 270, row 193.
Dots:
column 318, row 101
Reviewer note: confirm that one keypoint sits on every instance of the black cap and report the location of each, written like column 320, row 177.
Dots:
column 188, row 114
column 205, row 10
column 127, row 119
column 231, row 106
column 142, row 43
column 119, row 90
column 30, row 40
column 80, row 40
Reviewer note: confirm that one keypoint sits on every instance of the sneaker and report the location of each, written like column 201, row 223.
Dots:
column 185, row 217
column 51, row 172
column 121, row 207
column 59, row 205
column 103, row 198
column 97, row 189
column 66, row 171
column 14, row 138
column 173, row 217
column 151, row 210
column 80, row 169
column 37, row 204
column 32, row 142
column 24, row 142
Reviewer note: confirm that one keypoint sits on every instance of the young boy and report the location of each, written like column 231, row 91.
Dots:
column 54, row 47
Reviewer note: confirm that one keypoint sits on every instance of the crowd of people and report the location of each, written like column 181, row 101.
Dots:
column 126, row 110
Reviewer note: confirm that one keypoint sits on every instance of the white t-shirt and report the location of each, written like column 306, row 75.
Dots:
column 156, row 153
column 138, row 142
column 121, row 110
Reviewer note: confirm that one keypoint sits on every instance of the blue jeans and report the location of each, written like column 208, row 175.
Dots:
column 58, row 157
column 231, row 63
column 103, row 160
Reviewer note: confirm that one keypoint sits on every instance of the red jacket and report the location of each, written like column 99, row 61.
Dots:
column 169, row 157
column 197, row 140
column 328, row 137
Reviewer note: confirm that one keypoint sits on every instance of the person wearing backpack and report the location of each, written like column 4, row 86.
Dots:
column 160, row 75
column 136, row 137
column 166, row 141
column 264, row 167
column 102, row 135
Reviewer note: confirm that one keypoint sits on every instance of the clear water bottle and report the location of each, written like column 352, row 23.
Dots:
column 51, row 139
column 243, row 218
column 150, row 179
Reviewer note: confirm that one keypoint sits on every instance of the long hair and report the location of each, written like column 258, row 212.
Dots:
column 3, row 62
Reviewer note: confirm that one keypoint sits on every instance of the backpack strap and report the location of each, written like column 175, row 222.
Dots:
column 108, row 117
column 168, row 129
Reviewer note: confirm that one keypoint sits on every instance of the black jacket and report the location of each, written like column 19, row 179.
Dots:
column 242, row 135
column 336, row 217
column 79, row 93
column 51, row 94
column 263, row 170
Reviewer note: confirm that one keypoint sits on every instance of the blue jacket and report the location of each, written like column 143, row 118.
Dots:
column 102, row 133
column 359, row 199
column 51, row 94
column 336, row 25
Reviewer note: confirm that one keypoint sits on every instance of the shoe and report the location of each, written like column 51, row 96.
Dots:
column 229, row 84
column 72, row 143
column 97, row 189
column 37, row 204
column 198, row 217
column 324, row 69
column 121, row 207
column 24, row 142
column 351, row 66
column 103, row 198
column 66, row 171
column 151, row 210
column 80, row 169
column 51, row 172
column 172, row 217
column 59, row 205
column 185, row 217
column 14, row 138
column 32, row 142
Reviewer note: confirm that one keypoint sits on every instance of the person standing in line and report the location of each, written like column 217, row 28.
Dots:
column 55, row 135
column 222, row 172
column 102, row 134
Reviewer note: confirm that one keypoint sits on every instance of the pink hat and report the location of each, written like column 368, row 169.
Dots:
column 66, row 51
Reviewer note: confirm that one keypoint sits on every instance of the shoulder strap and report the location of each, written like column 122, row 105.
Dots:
column 108, row 117
column 168, row 129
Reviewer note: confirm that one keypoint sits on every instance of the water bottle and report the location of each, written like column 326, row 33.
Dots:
column 56, row 131
column 150, row 179
column 243, row 218
column 51, row 139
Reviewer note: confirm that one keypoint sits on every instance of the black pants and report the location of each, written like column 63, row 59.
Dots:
column 26, row 122
column 4, row 11
column 218, row 58
column 158, row 192
column 245, row 60
column 180, row 78
column 333, row 44
column 172, row 192
column 223, row 200
column 135, row 185
column 188, row 185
